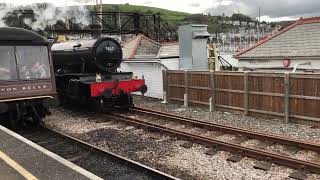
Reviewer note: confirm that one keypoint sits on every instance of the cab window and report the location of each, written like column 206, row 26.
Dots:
column 8, row 65
column 33, row 62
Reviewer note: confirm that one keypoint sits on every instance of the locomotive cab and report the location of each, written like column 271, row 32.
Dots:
column 26, row 76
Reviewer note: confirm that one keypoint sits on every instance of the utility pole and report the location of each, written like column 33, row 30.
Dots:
column 66, row 19
column 259, row 15
column 119, row 25
column 99, row 11
column 259, row 26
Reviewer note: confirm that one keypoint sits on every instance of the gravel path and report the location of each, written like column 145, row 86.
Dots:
column 159, row 151
column 274, row 126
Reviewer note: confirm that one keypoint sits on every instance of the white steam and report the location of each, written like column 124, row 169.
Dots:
column 48, row 14
column 4, row 9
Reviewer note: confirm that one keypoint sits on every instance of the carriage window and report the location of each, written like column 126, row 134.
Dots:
column 33, row 62
column 8, row 65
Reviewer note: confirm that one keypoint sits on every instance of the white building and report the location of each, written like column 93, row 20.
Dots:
column 296, row 45
column 147, row 58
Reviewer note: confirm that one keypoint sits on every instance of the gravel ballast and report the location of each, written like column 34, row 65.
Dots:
column 166, row 153
column 273, row 126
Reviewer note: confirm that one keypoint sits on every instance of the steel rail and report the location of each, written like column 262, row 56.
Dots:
column 131, row 163
column 232, row 130
column 231, row 147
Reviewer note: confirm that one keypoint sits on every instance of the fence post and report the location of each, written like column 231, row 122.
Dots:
column 286, row 96
column 186, row 90
column 213, row 92
column 246, row 93
column 165, row 86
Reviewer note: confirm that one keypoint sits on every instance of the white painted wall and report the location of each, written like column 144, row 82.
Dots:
column 229, row 57
column 278, row 63
column 152, row 73
column 172, row 64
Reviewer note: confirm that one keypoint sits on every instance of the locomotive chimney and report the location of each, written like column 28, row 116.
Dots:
column 95, row 30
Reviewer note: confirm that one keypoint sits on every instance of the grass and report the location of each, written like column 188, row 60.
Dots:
column 167, row 14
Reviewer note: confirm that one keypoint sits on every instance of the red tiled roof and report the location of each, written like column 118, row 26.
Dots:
column 137, row 42
column 262, row 41
column 135, row 47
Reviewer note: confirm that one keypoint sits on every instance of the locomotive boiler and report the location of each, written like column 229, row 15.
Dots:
column 86, row 71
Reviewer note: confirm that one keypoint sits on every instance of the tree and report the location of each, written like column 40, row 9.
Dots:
column 240, row 17
column 197, row 19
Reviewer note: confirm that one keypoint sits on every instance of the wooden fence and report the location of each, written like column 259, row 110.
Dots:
column 288, row 95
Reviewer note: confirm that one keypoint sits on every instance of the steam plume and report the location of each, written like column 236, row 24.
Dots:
column 48, row 14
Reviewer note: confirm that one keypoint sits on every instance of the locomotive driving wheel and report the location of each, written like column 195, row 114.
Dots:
column 124, row 101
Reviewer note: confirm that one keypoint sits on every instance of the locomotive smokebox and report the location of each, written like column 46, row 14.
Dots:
column 87, row 56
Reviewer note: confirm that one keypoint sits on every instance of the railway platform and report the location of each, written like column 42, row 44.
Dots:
column 23, row 159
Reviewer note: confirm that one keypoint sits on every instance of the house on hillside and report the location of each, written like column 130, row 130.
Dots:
column 295, row 47
column 148, row 58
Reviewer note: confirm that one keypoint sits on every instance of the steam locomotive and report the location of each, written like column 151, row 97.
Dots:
column 86, row 71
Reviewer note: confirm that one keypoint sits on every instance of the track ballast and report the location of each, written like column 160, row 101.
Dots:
column 103, row 163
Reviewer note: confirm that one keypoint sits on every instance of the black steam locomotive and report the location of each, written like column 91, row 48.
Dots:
column 86, row 71
column 26, row 76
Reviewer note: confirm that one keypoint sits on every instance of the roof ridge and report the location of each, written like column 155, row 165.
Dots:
column 309, row 20
column 135, row 47
column 130, row 39
column 145, row 37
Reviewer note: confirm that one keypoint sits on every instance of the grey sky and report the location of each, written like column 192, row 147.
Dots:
column 270, row 9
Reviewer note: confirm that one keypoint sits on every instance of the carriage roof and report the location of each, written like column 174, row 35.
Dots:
column 12, row 35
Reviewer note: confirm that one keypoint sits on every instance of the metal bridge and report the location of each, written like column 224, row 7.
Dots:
column 153, row 26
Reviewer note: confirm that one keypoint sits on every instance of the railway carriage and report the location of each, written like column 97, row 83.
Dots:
column 26, row 76
column 86, row 71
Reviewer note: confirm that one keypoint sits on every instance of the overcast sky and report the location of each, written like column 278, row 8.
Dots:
column 270, row 9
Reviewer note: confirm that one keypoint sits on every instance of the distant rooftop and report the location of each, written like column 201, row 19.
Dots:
column 169, row 50
column 301, row 38
column 142, row 47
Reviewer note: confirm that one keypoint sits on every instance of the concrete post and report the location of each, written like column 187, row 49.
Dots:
column 210, row 105
column 213, row 91
column 165, row 86
column 165, row 101
column 185, row 100
column 186, row 91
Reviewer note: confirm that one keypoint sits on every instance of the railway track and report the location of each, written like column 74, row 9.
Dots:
column 227, row 129
column 157, row 121
column 103, row 163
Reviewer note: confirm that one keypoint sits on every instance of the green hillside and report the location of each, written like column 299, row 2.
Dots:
column 167, row 14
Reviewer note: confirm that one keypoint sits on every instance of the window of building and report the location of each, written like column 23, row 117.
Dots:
column 8, row 67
